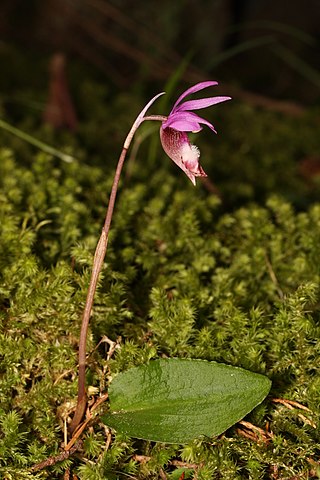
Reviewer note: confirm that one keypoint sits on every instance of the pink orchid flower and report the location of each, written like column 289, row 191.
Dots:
column 181, row 119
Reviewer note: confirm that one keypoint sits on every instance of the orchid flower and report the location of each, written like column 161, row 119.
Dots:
column 176, row 144
column 181, row 119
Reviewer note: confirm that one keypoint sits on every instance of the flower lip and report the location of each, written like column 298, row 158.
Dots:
column 177, row 146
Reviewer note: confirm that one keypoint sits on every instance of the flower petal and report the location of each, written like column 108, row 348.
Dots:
column 196, row 88
column 182, row 121
column 184, row 126
column 203, row 121
column 186, row 122
column 201, row 103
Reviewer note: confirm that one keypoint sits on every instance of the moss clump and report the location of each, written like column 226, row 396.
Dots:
column 185, row 275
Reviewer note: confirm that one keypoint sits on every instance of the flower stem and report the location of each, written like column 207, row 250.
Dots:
column 96, row 269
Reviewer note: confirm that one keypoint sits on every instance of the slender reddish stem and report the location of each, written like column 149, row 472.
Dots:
column 96, row 269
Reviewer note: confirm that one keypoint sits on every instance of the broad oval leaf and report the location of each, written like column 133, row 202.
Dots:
column 175, row 400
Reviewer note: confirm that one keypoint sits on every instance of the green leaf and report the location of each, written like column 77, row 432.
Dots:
column 37, row 143
column 176, row 400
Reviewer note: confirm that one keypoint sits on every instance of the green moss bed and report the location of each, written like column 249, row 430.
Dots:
column 233, row 279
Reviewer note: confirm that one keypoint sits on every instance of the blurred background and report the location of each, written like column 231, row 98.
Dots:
column 74, row 74
column 268, row 47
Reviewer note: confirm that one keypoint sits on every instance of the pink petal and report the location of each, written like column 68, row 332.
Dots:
column 182, row 121
column 184, row 126
column 186, row 122
column 196, row 88
column 203, row 121
column 202, row 103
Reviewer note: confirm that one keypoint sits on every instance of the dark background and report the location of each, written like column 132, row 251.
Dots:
column 268, row 47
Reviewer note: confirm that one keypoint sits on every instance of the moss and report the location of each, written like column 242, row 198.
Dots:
column 186, row 274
